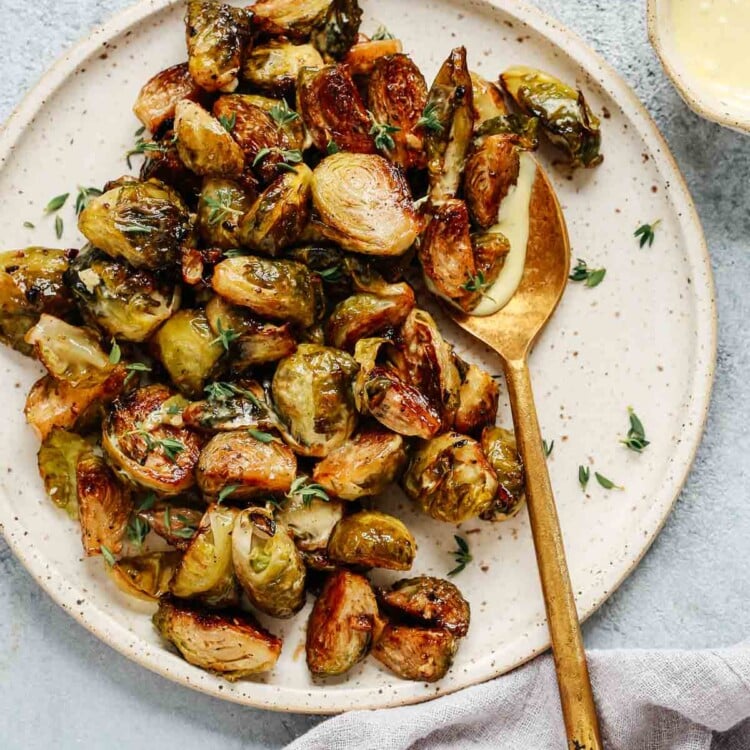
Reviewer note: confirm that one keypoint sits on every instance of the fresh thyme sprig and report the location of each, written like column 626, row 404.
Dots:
column 220, row 391
column 107, row 555
column 260, row 436
column 429, row 119
column 226, row 492
column 85, row 194
column 646, row 233
column 282, row 114
column 608, row 484
column 381, row 33
column 220, row 204
column 288, row 157
column 228, row 121
column 461, row 555
column 590, row 276
column 171, row 447
column 548, row 447
column 226, row 335
column 584, row 474
column 56, row 203
column 636, row 437
column 330, row 274
column 307, row 491
column 383, row 134
column 478, row 284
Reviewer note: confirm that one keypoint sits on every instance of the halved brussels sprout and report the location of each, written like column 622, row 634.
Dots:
column 333, row 110
column 258, row 342
column 31, row 283
column 274, row 66
column 204, row 144
column 289, row 17
column 499, row 446
column 145, row 576
column 361, row 58
column 140, row 439
column 188, row 349
column 340, row 28
column 268, row 565
column 451, row 108
column 279, row 110
column 372, row 539
column 159, row 96
column 478, row 399
column 275, row 289
column 363, row 466
column 280, row 213
column 253, row 467
column 433, row 601
column 451, row 479
column 397, row 95
column 562, row 110
column 57, row 460
column 491, row 170
column 312, row 390
column 232, row 406
column 69, row 353
column 177, row 526
column 383, row 392
column 146, row 223
column 310, row 520
column 221, row 205
column 231, row 644
column 488, row 100
column 364, row 204
column 341, row 624
column 421, row 654
column 205, row 571
column 104, row 505
column 364, row 315
column 52, row 403
column 127, row 304
column 216, row 35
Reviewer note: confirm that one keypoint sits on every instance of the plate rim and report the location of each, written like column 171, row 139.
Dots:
column 284, row 699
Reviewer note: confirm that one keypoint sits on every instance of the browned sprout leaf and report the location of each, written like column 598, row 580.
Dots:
column 57, row 460
column 145, row 576
column 290, row 18
column 158, row 98
column 274, row 67
column 478, row 398
column 421, row 654
column 361, row 58
column 499, row 445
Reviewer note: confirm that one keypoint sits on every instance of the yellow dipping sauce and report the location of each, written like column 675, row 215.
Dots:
column 713, row 39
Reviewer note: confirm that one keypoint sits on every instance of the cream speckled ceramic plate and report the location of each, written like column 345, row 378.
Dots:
column 645, row 337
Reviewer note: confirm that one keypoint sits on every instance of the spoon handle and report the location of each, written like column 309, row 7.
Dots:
column 576, row 697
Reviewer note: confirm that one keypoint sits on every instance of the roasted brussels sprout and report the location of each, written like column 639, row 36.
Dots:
column 104, row 505
column 159, row 96
column 274, row 67
column 289, row 17
column 450, row 478
column 450, row 106
column 176, row 525
column 432, row 601
column 140, row 437
column 57, row 460
column 312, row 390
column 258, row 342
column 284, row 118
column 145, row 576
column 333, row 110
column 421, row 654
column 52, row 403
column 275, row 289
column 204, row 144
column 562, row 110
column 221, row 205
column 340, row 29
column 232, row 406
column 250, row 465
column 231, row 644
column 397, row 95
column 363, row 466
column 145, row 223
column 216, row 35
column 361, row 58
column 310, row 520
column 365, row 314
column 364, row 204
column 478, row 399
column 31, row 283
column 125, row 303
column 268, row 565
column 487, row 99
column 383, row 392
column 280, row 213
column 491, row 171
column 341, row 624
column 372, row 539
column 499, row 446
column 205, row 571
column 69, row 353
column 188, row 349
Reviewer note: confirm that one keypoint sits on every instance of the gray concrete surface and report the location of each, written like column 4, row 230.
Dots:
column 60, row 687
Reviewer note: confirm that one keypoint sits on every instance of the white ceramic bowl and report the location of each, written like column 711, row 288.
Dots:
column 700, row 98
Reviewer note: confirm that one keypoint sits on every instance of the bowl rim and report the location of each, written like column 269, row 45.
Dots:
column 690, row 93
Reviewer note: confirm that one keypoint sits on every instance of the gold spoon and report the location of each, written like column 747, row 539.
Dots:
column 511, row 332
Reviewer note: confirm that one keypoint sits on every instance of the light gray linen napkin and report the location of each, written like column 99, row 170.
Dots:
column 647, row 700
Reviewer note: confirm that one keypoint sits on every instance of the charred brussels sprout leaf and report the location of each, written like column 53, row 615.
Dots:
column 274, row 67
column 340, row 29
column 145, row 576
column 364, row 204
column 451, row 479
column 57, row 459
column 145, row 223
column 499, row 446
column 421, row 654
column 341, row 624
column 158, row 98
column 231, row 644
column 127, row 304
column 216, row 35
column 313, row 397
column 563, row 112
